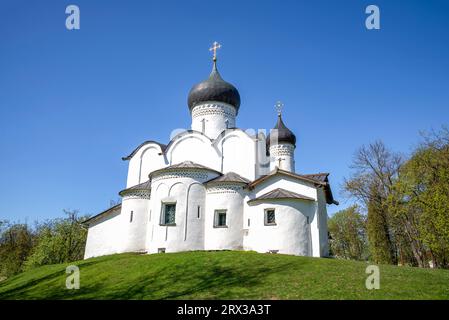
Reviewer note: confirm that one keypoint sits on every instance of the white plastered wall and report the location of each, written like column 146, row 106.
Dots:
column 187, row 191
column 288, row 183
column 312, row 209
column 133, row 233
column 229, row 197
column 195, row 147
column 239, row 153
column 102, row 235
column 282, row 156
column 290, row 234
column 211, row 118
column 147, row 159
column 233, row 151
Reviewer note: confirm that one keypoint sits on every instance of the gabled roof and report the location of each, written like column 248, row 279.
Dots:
column 103, row 213
column 317, row 179
column 184, row 165
column 277, row 171
column 229, row 177
column 162, row 146
column 146, row 186
column 317, row 176
column 280, row 193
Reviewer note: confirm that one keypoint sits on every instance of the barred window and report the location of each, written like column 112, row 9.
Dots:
column 270, row 217
column 220, row 218
column 168, row 213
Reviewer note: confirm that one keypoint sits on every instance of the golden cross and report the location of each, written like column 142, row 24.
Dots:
column 279, row 106
column 214, row 48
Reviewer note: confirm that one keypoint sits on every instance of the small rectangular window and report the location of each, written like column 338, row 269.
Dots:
column 131, row 216
column 270, row 217
column 249, row 222
column 199, row 212
column 168, row 213
column 220, row 219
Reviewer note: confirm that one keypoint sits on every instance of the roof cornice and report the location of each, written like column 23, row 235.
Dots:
column 281, row 194
column 186, row 165
column 97, row 216
column 307, row 178
column 161, row 146
column 286, row 173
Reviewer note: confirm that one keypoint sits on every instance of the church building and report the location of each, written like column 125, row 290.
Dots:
column 216, row 187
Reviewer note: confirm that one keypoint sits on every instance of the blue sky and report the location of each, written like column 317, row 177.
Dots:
column 72, row 103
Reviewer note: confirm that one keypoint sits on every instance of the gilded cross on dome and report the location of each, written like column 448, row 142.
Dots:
column 279, row 106
column 214, row 48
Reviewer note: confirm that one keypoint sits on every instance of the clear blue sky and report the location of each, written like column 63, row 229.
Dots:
column 72, row 103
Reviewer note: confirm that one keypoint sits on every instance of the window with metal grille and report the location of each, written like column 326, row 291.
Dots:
column 220, row 218
column 168, row 214
column 270, row 217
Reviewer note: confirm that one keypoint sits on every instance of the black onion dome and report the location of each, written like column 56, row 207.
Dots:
column 214, row 89
column 282, row 132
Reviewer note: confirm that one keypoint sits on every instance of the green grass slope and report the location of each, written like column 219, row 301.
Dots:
column 224, row 275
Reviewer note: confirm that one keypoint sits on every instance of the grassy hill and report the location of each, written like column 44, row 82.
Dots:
column 224, row 275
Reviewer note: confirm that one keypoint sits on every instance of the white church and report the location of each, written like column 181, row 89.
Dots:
column 216, row 187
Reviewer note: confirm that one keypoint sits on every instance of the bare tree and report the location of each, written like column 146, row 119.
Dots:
column 374, row 166
column 375, row 169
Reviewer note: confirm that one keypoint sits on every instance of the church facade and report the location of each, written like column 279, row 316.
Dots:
column 216, row 187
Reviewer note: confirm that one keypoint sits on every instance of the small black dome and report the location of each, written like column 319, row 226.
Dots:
column 214, row 89
column 282, row 133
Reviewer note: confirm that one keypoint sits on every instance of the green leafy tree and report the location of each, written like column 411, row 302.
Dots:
column 421, row 200
column 59, row 241
column 16, row 242
column 406, row 202
column 347, row 229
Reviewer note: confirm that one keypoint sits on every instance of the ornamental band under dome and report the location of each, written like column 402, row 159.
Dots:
column 215, row 187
